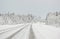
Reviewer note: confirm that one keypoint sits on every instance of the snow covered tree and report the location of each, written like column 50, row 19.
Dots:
column 53, row 18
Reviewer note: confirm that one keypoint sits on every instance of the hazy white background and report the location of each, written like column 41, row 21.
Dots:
column 35, row 7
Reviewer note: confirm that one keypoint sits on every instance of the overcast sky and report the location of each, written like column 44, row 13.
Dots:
column 34, row 7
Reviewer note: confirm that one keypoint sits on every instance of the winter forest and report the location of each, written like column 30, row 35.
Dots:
column 52, row 18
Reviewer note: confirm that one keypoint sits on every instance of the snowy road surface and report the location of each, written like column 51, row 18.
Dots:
column 29, row 31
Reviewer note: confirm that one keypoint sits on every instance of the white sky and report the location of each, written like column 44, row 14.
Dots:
column 35, row 7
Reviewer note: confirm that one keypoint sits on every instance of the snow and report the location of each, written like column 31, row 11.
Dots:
column 25, row 31
column 45, row 31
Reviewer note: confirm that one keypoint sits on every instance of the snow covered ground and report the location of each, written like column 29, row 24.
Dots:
column 29, row 31
column 45, row 31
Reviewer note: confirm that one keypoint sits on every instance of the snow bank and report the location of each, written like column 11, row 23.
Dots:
column 43, row 31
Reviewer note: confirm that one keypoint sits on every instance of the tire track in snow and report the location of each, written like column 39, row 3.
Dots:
column 31, row 34
column 10, row 37
column 9, row 29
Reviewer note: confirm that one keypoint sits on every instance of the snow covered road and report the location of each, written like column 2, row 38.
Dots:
column 29, row 31
column 16, row 32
